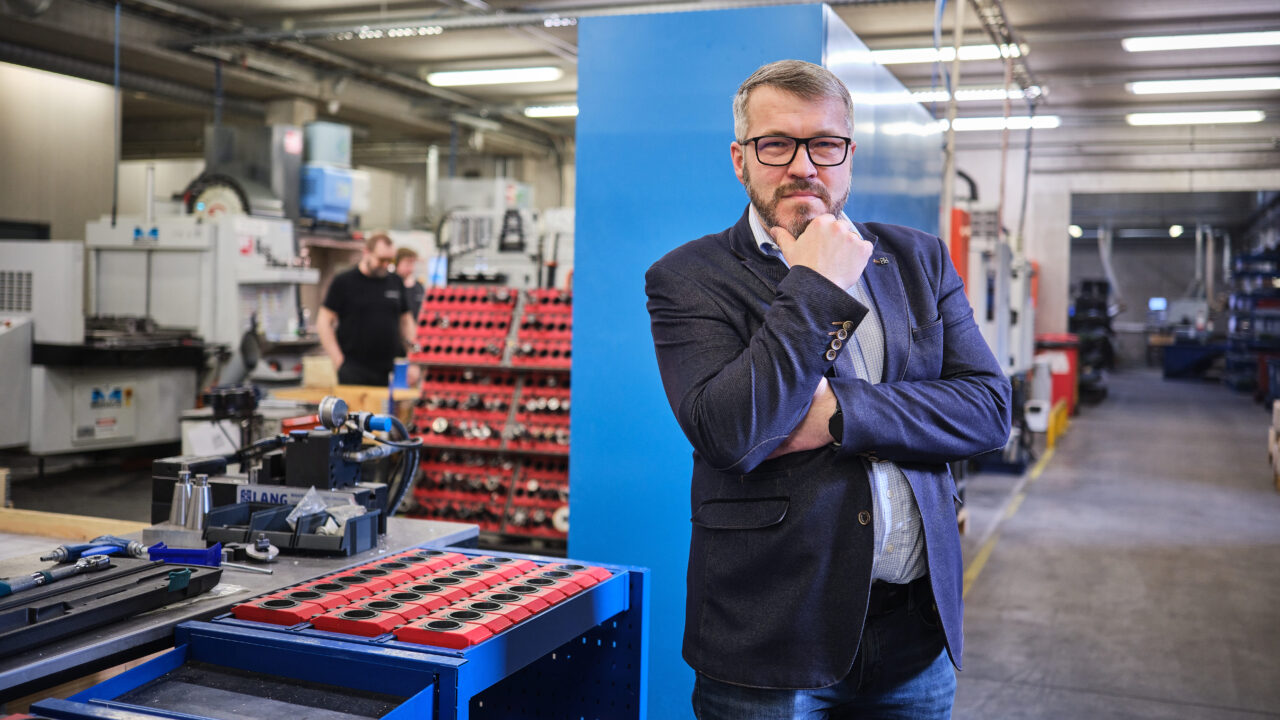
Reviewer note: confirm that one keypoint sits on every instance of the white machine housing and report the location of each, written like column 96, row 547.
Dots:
column 54, row 409
column 999, row 289
column 15, row 385
column 209, row 276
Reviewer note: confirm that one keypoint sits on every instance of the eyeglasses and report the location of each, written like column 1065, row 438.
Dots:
column 779, row 150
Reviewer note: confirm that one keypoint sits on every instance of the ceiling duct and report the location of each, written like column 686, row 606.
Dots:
column 30, row 8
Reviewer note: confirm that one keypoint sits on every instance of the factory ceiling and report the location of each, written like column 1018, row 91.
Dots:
column 366, row 63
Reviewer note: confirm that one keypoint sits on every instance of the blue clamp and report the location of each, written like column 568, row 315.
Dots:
column 211, row 557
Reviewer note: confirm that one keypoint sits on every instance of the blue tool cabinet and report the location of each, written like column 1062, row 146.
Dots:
column 584, row 657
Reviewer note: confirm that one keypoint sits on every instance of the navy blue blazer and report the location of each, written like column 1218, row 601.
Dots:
column 779, row 565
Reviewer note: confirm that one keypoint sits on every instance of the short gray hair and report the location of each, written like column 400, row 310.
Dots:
column 806, row 80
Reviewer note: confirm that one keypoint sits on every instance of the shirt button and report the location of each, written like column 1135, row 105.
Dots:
column 889, row 548
column 890, row 494
column 864, row 517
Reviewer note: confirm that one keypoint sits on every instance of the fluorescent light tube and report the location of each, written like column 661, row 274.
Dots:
column 1200, row 42
column 972, row 94
column 551, row 111
column 1016, row 122
column 945, row 54
column 499, row 76
column 1160, row 87
column 1196, row 118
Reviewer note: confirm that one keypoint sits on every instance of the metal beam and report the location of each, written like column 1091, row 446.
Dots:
column 168, row 89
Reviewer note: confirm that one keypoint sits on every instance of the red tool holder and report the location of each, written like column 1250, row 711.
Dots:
column 443, row 633
column 489, row 621
column 357, row 621
column 422, row 602
column 277, row 611
column 449, row 593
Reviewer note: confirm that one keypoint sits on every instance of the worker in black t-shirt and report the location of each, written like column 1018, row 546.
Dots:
column 367, row 308
column 406, row 263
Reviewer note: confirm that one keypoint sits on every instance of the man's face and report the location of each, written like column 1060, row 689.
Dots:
column 381, row 257
column 792, row 195
column 404, row 268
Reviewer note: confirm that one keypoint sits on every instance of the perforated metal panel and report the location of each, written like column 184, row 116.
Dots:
column 15, row 291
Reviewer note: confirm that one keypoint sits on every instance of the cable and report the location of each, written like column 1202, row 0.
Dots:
column 409, row 469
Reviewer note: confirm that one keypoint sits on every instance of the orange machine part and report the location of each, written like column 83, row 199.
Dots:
column 961, row 231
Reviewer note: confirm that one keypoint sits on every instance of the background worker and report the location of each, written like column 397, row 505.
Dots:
column 365, row 321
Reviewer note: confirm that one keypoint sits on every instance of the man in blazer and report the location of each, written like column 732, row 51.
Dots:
column 825, row 372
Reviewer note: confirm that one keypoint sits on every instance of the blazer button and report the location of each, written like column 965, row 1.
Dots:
column 842, row 334
column 848, row 326
column 831, row 354
column 836, row 344
column 864, row 517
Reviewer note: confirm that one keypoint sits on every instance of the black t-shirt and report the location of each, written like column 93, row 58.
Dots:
column 415, row 294
column 369, row 310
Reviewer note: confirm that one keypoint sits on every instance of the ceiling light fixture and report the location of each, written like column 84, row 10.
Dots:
column 946, row 54
column 975, row 94
column 1015, row 122
column 1075, row 231
column 497, row 76
column 1161, row 87
column 1196, row 118
column 551, row 111
column 1175, row 231
column 1200, row 42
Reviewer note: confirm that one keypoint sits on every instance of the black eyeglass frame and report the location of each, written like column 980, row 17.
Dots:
column 848, row 143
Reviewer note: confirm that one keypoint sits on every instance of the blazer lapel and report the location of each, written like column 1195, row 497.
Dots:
column 770, row 270
column 885, row 283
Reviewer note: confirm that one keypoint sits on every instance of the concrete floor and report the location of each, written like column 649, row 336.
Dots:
column 1139, row 577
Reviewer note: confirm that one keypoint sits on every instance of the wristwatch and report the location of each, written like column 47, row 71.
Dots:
column 835, row 425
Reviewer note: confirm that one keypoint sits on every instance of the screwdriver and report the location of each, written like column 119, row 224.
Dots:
column 88, row 563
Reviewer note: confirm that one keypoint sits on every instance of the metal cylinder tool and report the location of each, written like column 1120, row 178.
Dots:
column 181, row 499
column 201, row 502
column 89, row 563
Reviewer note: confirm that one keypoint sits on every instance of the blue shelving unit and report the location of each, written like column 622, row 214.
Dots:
column 582, row 658
column 1253, row 323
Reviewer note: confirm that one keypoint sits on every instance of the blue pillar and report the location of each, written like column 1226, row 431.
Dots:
column 653, row 171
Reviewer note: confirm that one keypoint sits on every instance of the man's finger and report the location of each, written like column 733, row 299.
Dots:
column 782, row 237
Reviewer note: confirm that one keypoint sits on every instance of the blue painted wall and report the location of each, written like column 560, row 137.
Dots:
column 653, row 171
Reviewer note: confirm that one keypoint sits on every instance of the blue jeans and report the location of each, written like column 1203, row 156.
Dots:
column 901, row 672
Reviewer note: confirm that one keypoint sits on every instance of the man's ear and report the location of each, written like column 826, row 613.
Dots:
column 739, row 157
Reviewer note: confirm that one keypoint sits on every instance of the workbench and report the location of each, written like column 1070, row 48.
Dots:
column 72, row 657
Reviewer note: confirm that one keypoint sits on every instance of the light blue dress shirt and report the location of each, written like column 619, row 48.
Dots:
column 899, row 531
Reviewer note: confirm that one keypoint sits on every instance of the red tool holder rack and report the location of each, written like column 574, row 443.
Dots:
column 495, row 404
column 478, row 596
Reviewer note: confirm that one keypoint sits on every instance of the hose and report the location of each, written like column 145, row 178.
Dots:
column 409, row 468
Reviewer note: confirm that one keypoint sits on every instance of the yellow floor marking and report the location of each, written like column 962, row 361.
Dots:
column 980, row 560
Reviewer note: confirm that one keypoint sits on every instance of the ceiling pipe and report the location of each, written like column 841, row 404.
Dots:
column 63, row 65
column 30, row 8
